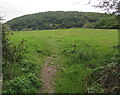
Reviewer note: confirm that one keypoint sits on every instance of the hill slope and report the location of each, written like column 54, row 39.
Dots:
column 55, row 20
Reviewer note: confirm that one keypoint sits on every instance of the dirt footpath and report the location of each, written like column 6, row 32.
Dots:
column 48, row 75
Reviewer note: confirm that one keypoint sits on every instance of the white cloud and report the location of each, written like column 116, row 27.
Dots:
column 15, row 8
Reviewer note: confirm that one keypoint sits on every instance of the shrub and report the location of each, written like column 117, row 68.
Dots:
column 107, row 77
column 12, row 53
column 22, row 84
column 27, row 66
column 19, row 74
column 17, row 85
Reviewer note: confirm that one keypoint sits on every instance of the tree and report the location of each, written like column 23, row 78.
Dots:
column 109, row 6
column 107, row 23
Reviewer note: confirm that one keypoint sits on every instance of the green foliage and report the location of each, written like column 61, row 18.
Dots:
column 22, row 84
column 11, row 53
column 55, row 20
column 14, row 53
column 23, row 80
column 19, row 74
column 17, row 85
column 107, row 23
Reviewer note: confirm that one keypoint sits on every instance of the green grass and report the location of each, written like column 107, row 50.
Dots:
column 78, row 52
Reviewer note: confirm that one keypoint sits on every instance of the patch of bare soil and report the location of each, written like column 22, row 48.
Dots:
column 48, row 74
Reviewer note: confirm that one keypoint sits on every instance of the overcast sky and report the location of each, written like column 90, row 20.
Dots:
column 10, row 9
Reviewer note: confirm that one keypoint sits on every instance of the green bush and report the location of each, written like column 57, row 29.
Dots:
column 22, row 84
column 19, row 73
column 12, row 53
column 28, row 66
column 17, row 85
column 24, row 79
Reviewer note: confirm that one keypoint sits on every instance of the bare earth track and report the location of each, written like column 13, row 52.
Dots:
column 48, row 75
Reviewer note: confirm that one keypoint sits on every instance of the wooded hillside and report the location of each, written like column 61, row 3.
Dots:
column 61, row 20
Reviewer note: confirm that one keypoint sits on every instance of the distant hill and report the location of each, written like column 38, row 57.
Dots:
column 56, row 20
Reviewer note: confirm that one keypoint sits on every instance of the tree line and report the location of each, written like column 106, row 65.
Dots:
column 63, row 20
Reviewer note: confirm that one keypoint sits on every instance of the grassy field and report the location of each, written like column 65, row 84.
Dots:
column 77, row 51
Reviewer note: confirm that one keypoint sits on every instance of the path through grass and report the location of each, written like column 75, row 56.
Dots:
column 76, row 52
